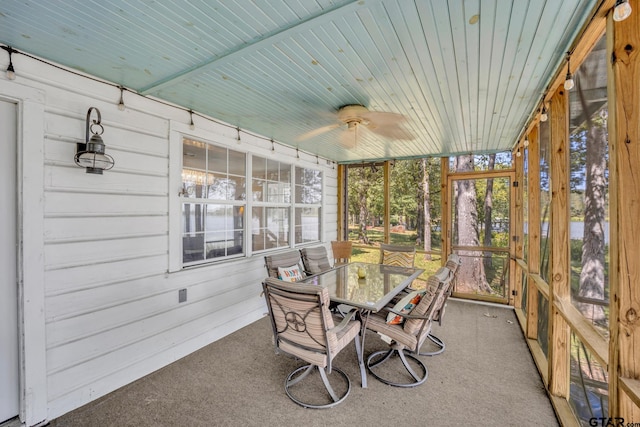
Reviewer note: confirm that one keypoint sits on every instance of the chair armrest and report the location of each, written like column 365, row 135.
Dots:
column 345, row 321
column 407, row 315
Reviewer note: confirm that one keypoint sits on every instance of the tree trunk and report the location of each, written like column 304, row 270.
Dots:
column 425, row 207
column 363, row 216
column 593, row 262
column 488, row 210
column 471, row 277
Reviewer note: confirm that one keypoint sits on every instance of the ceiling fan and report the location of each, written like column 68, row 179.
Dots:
column 359, row 120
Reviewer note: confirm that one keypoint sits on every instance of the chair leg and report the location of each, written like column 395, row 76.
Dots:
column 292, row 380
column 387, row 355
column 437, row 341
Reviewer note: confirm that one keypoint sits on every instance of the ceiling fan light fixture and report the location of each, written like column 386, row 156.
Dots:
column 355, row 121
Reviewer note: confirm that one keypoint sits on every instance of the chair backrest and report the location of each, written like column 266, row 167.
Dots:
column 453, row 262
column 341, row 251
column 433, row 297
column 315, row 260
column 284, row 260
column 398, row 255
column 301, row 320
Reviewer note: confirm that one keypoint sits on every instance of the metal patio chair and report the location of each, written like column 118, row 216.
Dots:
column 406, row 338
column 283, row 260
column 304, row 327
column 341, row 251
column 453, row 262
column 315, row 260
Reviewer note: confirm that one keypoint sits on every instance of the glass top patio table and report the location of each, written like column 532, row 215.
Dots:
column 371, row 292
column 367, row 287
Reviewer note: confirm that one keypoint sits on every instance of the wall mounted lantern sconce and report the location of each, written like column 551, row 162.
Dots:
column 91, row 154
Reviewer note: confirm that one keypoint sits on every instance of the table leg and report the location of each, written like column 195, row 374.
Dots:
column 364, row 317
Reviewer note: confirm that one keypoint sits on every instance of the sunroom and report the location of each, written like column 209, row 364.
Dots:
column 155, row 152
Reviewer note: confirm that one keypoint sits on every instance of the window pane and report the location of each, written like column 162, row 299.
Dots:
column 270, row 227
column 285, row 174
column 237, row 188
column 277, row 187
column 308, row 186
column 589, row 202
column 273, row 170
column 192, row 219
column 193, row 183
column 217, row 187
column 217, row 157
column 193, row 248
column 237, row 163
column 307, row 222
column 258, row 170
column 194, row 155
column 222, row 187
column 224, row 230
column 277, row 192
column 257, row 189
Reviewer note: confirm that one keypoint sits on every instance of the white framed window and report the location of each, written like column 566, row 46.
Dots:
column 213, row 202
column 230, row 204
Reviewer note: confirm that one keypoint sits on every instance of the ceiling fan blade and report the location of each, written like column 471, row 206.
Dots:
column 391, row 131
column 318, row 131
column 381, row 118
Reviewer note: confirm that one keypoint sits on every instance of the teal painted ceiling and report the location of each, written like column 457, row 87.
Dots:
column 463, row 75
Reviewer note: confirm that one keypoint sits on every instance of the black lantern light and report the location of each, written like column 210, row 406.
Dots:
column 91, row 154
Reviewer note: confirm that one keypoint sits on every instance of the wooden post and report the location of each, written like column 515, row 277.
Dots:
column 624, row 171
column 445, row 209
column 342, row 203
column 518, row 224
column 387, row 201
column 559, row 334
column 533, row 259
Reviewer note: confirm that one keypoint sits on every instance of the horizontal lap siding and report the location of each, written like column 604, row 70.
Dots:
column 112, row 311
column 111, row 307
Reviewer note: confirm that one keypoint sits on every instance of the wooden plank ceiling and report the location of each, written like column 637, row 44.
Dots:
column 460, row 76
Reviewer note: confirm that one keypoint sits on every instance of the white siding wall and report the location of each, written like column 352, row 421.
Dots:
column 110, row 306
